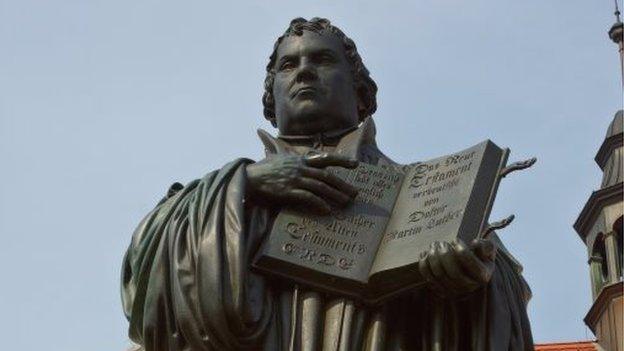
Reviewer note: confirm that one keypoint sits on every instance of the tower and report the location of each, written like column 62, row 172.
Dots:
column 600, row 227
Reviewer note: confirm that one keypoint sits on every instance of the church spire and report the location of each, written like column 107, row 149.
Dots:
column 601, row 225
column 616, row 34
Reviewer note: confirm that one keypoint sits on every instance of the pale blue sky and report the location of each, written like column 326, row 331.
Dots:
column 104, row 103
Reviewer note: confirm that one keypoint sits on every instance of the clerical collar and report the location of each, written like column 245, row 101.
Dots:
column 319, row 139
column 349, row 145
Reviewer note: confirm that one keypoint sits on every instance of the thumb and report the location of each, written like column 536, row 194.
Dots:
column 484, row 249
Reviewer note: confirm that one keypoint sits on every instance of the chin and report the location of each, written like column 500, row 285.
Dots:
column 308, row 110
column 307, row 105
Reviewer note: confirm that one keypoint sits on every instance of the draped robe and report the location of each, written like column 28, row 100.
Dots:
column 187, row 283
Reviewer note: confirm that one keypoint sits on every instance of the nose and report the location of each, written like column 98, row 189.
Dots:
column 306, row 71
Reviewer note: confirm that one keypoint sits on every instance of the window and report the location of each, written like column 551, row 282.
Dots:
column 598, row 264
column 617, row 228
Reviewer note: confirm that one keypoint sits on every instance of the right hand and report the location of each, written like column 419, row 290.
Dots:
column 456, row 269
column 301, row 181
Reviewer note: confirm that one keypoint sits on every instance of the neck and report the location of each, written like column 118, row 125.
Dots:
column 311, row 124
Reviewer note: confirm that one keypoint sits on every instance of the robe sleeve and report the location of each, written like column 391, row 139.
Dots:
column 185, row 278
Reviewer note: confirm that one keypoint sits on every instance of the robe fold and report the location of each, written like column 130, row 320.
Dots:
column 187, row 284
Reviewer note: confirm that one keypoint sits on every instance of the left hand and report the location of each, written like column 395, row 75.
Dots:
column 455, row 269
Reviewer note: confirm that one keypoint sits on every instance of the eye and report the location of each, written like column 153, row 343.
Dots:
column 325, row 59
column 287, row 65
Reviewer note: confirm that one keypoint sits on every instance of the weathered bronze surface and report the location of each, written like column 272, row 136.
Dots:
column 188, row 282
column 368, row 249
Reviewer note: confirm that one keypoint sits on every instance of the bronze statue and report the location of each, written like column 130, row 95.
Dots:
column 187, row 282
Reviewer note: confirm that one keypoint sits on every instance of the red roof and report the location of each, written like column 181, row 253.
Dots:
column 567, row 346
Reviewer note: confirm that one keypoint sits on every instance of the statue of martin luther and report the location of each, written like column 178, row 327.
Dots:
column 186, row 280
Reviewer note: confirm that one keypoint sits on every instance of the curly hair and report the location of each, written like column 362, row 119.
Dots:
column 364, row 85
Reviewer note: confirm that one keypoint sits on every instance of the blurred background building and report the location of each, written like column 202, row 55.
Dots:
column 599, row 225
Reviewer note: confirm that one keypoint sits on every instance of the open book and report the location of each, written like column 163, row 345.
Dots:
column 370, row 249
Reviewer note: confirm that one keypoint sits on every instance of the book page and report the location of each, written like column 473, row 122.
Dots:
column 430, row 206
column 344, row 243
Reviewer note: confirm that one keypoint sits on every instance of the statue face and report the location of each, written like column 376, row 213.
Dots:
column 313, row 87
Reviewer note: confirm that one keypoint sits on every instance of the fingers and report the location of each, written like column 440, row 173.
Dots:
column 308, row 201
column 444, row 272
column 425, row 271
column 484, row 249
column 324, row 191
column 322, row 160
column 330, row 179
column 453, row 270
column 472, row 264
column 293, row 180
column 436, row 253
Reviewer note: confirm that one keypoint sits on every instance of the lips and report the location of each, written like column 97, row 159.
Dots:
column 307, row 90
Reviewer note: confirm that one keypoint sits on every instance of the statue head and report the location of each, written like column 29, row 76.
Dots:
column 316, row 80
